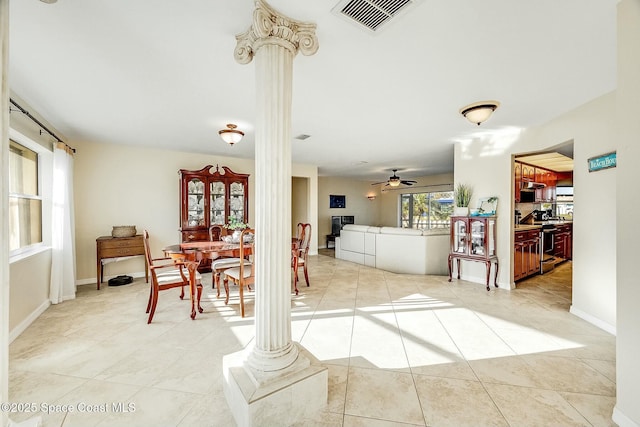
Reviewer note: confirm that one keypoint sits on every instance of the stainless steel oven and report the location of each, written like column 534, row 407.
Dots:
column 547, row 260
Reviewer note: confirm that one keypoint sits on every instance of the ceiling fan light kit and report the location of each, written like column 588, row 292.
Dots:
column 395, row 181
column 479, row 112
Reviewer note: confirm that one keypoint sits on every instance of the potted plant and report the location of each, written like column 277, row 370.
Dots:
column 237, row 226
column 462, row 197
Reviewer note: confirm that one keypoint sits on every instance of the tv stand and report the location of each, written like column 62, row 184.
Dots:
column 331, row 238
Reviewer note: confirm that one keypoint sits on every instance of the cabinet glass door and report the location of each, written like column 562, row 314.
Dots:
column 491, row 223
column 195, row 204
column 236, row 202
column 477, row 237
column 459, row 237
column 217, row 195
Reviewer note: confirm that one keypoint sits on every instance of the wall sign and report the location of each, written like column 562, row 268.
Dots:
column 604, row 161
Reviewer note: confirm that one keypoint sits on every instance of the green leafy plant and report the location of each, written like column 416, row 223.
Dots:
column 462, row 195
column 235, row 224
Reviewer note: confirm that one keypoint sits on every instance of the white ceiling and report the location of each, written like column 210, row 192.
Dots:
column 161, row 73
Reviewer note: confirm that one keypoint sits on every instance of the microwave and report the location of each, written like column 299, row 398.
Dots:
column 527, row 196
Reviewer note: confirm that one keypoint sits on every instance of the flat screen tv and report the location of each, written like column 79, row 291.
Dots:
column 337, row 201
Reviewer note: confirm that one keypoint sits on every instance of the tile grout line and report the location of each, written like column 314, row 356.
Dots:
column 413, row 379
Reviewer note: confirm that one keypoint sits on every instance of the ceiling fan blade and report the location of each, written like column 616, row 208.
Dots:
column 409, row 182
column 381, row 182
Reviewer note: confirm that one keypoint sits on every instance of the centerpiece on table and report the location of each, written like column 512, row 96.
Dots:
column 237, row 226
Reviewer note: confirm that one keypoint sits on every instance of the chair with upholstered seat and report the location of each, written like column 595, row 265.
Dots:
column 167, row 273
column 219, row 265
column 300, row 253
column 244, row 274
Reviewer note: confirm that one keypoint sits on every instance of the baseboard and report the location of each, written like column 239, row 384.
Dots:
column 92, row 281
column 22, row 326
column 621, row 419
column 593, row 320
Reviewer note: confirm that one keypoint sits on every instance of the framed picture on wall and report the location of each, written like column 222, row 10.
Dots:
column 337, row 201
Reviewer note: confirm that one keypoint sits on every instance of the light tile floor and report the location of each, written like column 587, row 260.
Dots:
column 401, row 350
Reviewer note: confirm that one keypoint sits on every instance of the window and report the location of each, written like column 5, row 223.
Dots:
column 426, row 210
column 25, row 203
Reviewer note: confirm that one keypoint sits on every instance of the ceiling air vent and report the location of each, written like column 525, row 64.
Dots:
column 372, row 14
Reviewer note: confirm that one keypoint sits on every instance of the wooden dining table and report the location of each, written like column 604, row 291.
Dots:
column 197, row 251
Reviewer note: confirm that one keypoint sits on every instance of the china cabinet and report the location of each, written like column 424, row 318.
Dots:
column 473, row 238
column 210, row 196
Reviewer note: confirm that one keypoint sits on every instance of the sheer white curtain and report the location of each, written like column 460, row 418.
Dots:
column 63, row 256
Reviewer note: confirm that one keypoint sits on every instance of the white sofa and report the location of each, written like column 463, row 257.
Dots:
column 399, row 250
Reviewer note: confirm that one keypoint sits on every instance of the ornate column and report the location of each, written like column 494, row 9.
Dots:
column 273, row 41
column 259, row 383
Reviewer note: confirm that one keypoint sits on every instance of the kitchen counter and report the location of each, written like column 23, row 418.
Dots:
column 527, row 227
column 553, row 221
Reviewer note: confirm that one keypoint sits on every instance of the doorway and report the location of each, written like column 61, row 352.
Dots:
column 543, row 202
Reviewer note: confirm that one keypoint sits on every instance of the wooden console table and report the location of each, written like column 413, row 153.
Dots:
column 116, row 247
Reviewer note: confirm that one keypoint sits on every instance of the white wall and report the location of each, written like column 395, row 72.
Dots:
column 592, row 129
column 627, row 411
column 4, row 208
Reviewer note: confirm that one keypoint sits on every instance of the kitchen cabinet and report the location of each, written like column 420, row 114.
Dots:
column 517, row 174
column 524, row 173
column 211, row 197
column 563, row 240
column 473, row 239
column 526, row 253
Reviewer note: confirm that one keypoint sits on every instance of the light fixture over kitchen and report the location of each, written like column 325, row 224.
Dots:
column 479, row 112
column 231, row 135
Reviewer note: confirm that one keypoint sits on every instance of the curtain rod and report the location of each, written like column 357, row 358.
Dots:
column 39, row 123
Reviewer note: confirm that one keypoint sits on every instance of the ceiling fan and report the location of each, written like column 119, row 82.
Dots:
column 395, row 180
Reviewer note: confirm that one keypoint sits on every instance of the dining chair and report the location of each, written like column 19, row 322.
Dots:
column 244, row 274
column 216, row 231
column 219, row 265
column 168, row 273
column 300, row 253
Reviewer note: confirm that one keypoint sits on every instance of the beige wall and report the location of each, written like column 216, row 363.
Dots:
column 389, row 215
column 30, row 273
column 126, row 185
column 382, row 211
column 364, row 210
column 299, row 202
column 627, row 411
column 29, row 290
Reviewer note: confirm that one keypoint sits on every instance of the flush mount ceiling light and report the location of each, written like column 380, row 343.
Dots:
column 479, row 112
column 48, row 1
column 231, row 135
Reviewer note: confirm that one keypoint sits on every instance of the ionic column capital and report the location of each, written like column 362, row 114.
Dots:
column 271, row 27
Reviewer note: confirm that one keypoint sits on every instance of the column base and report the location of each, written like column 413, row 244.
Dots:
column 284, row 398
